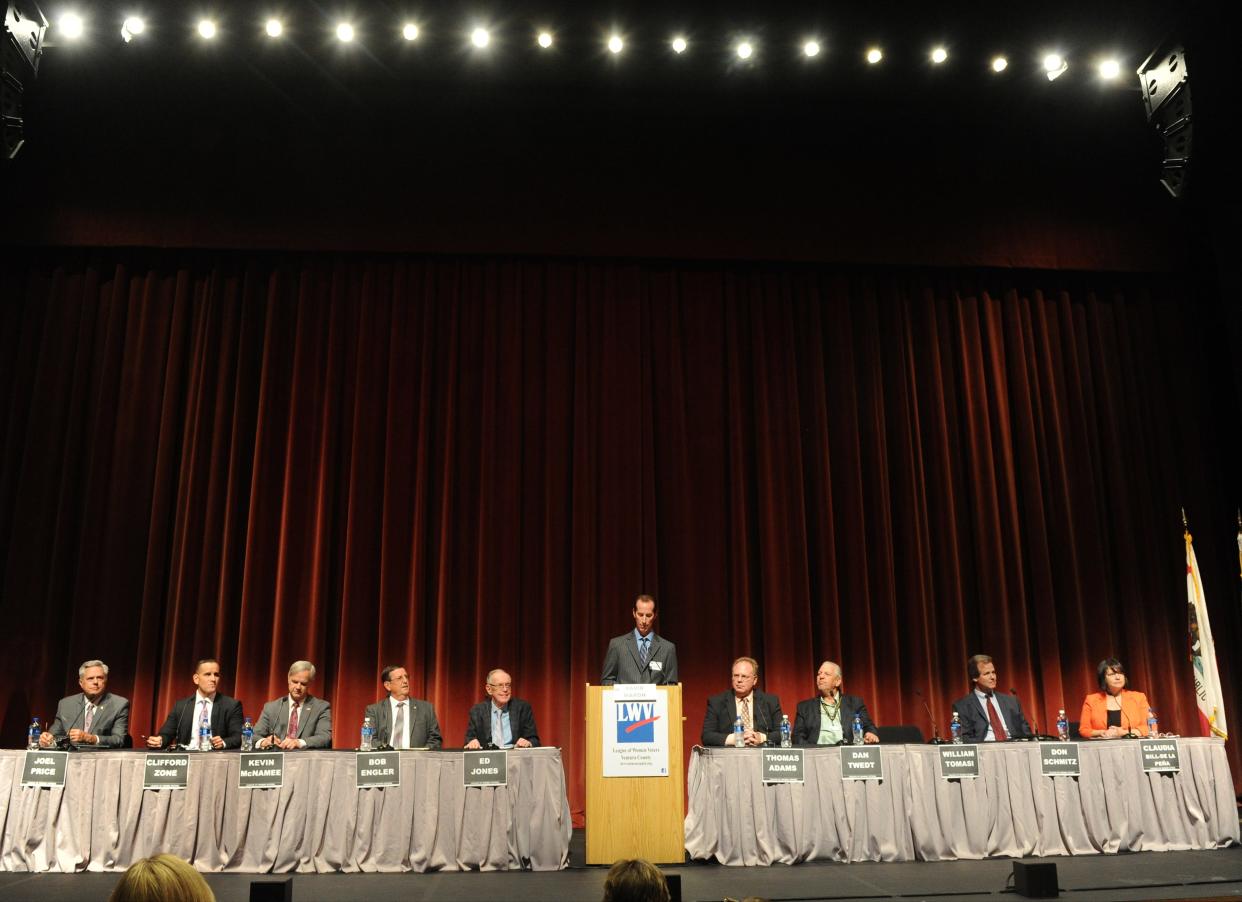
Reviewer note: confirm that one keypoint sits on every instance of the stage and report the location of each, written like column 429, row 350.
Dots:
column 1143, row 875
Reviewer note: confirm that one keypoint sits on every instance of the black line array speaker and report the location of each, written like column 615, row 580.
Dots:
column 1035, row 879
column 20, row 48
column 1166, row 95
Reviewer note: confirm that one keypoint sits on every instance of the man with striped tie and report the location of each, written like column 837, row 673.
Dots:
column 298, row 720
column 93, row 716
column 640, row 656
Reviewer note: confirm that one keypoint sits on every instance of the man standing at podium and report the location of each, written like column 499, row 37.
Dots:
column 640, row 656
column 760, row 712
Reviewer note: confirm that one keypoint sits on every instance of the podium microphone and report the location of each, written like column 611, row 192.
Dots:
column 935, row 740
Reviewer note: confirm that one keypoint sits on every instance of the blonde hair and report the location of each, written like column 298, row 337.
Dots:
column 162, row 878
column 635, row 880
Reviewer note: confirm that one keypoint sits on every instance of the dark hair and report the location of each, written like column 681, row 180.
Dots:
column 972, row 665
column 386, row 673
column 635, row 880
column 201, row 661
column 1101, row 672
column 644, row 598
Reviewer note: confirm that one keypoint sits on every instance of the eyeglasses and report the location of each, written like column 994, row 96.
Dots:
column 501, row 685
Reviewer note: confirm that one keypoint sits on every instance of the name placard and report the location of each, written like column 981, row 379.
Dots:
column 1160, row 755
column 782, row 766
column 261, row 770
column 486, row 768
column 1058, row 759
column 959, row 762
column 861, row 762
column 166, row 772
column 44, row 769
column 378, row 769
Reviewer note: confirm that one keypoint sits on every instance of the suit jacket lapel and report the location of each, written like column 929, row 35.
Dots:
column 632, row 643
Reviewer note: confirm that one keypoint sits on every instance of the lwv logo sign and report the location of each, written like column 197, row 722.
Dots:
column 636, row 721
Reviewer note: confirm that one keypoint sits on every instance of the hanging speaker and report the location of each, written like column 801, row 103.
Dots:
column 1166, row 95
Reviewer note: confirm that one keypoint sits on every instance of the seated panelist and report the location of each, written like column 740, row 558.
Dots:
column 224, row 714
column 760, row 712
column 92, row 717
column 297, row 720
column 501, row 722
column 1114, row 711
column 828, row 718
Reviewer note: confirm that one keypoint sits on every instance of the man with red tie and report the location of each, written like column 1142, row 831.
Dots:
column 299, row 720
column 987, row 715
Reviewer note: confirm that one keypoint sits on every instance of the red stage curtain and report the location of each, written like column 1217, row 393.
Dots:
column 458, row 464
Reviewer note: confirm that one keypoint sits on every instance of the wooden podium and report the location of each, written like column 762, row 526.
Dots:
column 634, row 817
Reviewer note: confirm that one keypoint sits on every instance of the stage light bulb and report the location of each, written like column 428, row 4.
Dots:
column 615, row 44
column 939, row 55
column 71, row 26
column 1110, row 69
column 273, row 28
column 744, row 50
column 344, row 32
column 1053, row 62
column 480, row 37
column 206, row 29
column 999, row 64
column 874, row 55
column 131, row 28
column 811, row 48
column 545, row 39
column 679, row 44
column 409, row 31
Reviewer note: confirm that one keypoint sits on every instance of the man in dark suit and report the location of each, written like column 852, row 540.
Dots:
column 828, row 718
column 92, row 716
column 640, row 656
column 297, row 720
column 402, row 722
column 987, row 715
column 224, row 714
column 503, row 721
column 760, row 712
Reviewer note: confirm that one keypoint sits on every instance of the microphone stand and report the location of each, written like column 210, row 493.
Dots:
column 935, row 727
column 1035, row 736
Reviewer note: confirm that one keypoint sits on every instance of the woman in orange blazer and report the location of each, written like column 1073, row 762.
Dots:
column 1114, row 711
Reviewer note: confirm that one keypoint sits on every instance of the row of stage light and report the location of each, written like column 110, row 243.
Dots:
column 72, row 26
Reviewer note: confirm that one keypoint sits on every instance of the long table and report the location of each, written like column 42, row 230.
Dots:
column 317, row 822
column 914, row 814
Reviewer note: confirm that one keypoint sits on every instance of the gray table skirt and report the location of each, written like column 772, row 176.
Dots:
column 916, row 815
column 318, row 822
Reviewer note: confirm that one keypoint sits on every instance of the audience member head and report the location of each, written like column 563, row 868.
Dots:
column 162, row 878
column 635, row 880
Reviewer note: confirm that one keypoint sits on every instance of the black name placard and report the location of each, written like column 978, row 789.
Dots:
column 1161, row 755
column 782, row 766
column 166, row 772
column 861, row 762
column 1058, row 759
column 959, row 762
column 261, row 770
column 379, row 769
column 44, row 769
column 486, row 768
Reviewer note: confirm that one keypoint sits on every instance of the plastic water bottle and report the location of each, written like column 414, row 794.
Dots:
column 247, row 736
column 204, row 733
column 1153, row 725
column 858, row 730
column 786, row 732
column 32, row 735
column 1062, row 726
column 738, row 741
column 368, row 732
column 955, row 729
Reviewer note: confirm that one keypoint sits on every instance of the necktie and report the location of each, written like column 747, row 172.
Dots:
column 998, row 728
column 498, row 730
column 398, row 727
column 643, row 650
column 747, row 723
column 293, row 721
column 90, row 715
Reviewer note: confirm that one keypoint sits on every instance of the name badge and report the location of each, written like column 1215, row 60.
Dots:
column 1160, row 756
column 44, row 769
column 781, row 766
column 862, row 762
column 657, row 666
column 1058, row 759
column 959, row 762
column 485, row 768
column 162, row 771
column 378, row 769
column 261, row 770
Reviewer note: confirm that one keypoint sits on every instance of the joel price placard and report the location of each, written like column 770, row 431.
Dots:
column 44, row 768
column 635, row 724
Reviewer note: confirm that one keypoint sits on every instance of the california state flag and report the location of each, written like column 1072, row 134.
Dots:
column 1203, row 649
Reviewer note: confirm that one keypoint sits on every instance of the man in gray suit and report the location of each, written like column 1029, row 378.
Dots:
column 400, row 721
column 640, row 656
column 297, row 720
column 92, row 716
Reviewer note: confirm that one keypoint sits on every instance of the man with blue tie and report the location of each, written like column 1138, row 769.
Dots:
column 502, row 722
column 640, row 656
